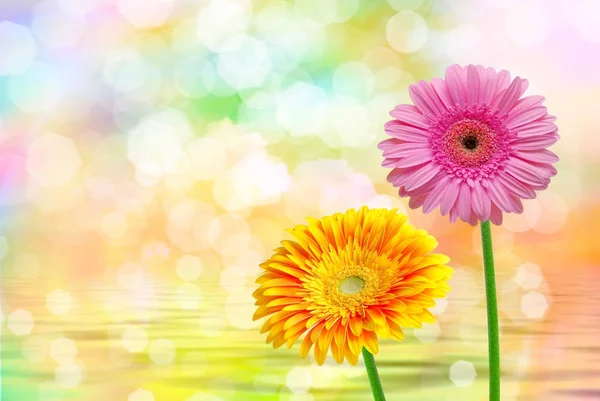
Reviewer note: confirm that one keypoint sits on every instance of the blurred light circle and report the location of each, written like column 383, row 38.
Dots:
column 406, row 32
column 257, row 179
column 302, row 109
column 141, row 395
column 220, row 20
column 534, row 305
column 162, row 351
column 59, row 302
column 68, row 375
column 189, row 267
column 529, row 276
column 462, row 373
column 299, row 379
column 532, row 212
column 440, row 306
column 20, row 322
column 126, row 70
column 194, row 76
column 37, row 89
column 77, row 8
column 18, row 47
column 54, row 27
column 243, row 62
column 63, row 350
column 353, row 79
column 134, row 339
column 429, row 333
column 53, row 160
column 145, row 13
column 156, row 145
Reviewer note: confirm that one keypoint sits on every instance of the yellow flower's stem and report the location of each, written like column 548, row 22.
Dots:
column 492, row 311
column 373, row 376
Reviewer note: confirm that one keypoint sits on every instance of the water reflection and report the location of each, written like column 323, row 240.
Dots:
column 158, row 345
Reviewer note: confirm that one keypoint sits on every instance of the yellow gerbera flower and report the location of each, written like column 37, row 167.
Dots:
column 349, row 279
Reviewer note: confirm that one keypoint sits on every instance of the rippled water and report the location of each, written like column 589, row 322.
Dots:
column 191, row 351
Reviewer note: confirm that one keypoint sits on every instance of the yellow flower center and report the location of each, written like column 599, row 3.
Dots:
column 351, row 285
column 346, row 289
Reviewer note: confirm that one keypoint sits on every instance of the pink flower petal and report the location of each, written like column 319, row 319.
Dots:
column 453, row 214
column 525, row 104
column 440, row 87
column 502, row 81
column 535, row 129
column 463, row 203
column 401, row 176
column 526, row 117
column 422, row 176
column 536, row 142
column 426, row 188
column 389, row 143
column 502, row 199
column 405, row 132
column 538, row 156
column 449, row 198
column 515, row 186
column 436, row 195
column 434, row 97
column 522, row 171
column 482, row 205
column 473, row 219
column 426, row 100
column 506, row 99
column 487, row 84
column 416, row 202
column 496, row 215
column 405, row 149
column 410, row 115
column 456, row 78
column 473, row 84
column 414, row 159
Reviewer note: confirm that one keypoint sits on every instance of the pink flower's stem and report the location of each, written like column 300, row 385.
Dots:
column 492, row 311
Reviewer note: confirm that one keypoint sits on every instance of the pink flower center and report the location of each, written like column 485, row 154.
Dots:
column 469, row 143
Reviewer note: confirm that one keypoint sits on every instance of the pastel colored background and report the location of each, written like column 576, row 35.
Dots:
column 152, row 152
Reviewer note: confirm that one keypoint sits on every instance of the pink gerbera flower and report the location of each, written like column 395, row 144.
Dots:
column 470, row 145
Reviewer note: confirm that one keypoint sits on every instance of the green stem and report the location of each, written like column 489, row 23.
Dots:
column 492, row 311
column 373, row 376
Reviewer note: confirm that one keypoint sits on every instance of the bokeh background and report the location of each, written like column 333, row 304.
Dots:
column 152, row 152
